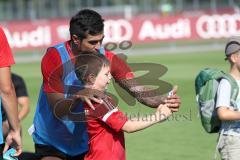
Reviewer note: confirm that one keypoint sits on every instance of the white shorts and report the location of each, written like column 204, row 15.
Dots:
column 229, row 147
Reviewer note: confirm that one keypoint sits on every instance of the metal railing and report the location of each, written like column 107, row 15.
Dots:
column 41, row 9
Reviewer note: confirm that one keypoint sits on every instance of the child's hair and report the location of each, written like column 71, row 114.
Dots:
column 232, row 47
column 89, row 63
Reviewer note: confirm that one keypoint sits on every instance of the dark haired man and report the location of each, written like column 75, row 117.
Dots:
column 57, row 138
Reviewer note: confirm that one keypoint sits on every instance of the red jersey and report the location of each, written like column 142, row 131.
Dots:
column 6, row 57
column 106, row 139
column 52, row 70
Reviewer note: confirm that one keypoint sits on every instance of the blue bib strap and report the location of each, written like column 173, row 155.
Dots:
column 66, row 61
column 101, row 50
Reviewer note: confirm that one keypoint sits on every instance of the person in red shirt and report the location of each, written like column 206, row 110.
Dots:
column 8, row 97
column 106, row 123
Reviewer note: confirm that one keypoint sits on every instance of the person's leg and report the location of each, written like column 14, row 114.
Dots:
column 28, row 155
column 51, row 158
column 78, row 157
column 230, row 148
column 45, row 152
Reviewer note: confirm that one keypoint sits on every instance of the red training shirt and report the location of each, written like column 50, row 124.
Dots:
column 52, row 70
column 106, row 139
column 6, row 57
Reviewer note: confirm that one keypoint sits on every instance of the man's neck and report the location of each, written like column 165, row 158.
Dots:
column 73, row 48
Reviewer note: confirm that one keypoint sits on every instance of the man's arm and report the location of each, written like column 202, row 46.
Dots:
column 9, row 97
column 136, row 90
column 59, row 105
column 10, row 105
column 154, row 99
column 62, row 106
column 124, row 77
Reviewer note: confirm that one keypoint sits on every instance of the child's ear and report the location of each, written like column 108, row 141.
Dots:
column 233, row 58
column 91, row 78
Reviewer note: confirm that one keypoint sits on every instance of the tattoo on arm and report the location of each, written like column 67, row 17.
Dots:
column 146, row 96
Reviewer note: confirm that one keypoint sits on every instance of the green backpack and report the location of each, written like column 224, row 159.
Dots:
column 206, row 86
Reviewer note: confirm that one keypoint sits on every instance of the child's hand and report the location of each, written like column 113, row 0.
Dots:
column 163, row 112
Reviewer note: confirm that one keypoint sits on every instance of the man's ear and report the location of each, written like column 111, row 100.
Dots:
column 75, row 39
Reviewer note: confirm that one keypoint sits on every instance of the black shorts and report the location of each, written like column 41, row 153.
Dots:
column 45, row 151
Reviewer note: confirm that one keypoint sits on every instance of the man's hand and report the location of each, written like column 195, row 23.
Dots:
column 89, row 99
column 89, row 95
column 14, row 140
column 173, row 101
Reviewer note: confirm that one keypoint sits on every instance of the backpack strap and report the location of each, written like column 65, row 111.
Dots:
column 234, row 86
column 205, row 75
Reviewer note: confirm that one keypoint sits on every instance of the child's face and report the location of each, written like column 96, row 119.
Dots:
column 236, row 60
column 103, row 79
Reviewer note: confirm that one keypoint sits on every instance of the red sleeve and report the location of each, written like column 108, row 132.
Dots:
column 6, row 57
column 52, row 71
column 119, row 68
column 115, row 119
column 112, row 117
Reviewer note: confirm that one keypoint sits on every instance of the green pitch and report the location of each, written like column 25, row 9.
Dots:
column 181, row 137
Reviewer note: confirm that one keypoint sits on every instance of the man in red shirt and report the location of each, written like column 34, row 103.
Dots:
column 8, row 97
column 86, row 31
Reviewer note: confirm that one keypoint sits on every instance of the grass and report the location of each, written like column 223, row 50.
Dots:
column 181, row 137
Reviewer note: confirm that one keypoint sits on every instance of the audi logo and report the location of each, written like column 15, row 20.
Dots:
column 218, row 26
column 117, row 30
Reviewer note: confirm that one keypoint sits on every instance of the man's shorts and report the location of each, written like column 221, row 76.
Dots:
column 46, row 151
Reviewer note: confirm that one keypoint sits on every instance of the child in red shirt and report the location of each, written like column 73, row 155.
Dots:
column 106, row 124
